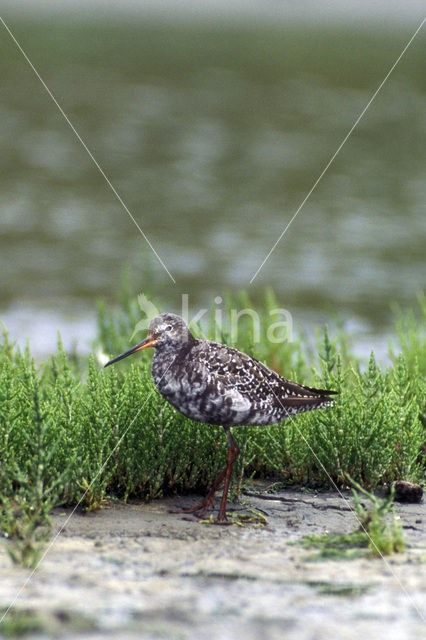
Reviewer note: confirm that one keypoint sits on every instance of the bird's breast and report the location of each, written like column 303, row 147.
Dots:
column 200, row 395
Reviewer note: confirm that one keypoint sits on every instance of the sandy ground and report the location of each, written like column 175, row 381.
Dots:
column 139, row 571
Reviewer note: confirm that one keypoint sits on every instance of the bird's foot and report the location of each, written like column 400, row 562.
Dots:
column 202, row 507
column 217, row 521
column 223, row 521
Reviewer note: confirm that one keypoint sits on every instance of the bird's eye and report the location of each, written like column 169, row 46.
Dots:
column 168, row 328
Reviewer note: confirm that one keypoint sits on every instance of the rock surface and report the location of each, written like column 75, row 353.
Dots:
column 138, row 571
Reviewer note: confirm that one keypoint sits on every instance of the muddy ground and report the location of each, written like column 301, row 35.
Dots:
column 138, row 571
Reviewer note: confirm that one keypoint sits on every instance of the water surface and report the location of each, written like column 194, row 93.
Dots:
column 212, row 135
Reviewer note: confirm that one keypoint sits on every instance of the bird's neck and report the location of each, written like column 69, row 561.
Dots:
column 169, row 353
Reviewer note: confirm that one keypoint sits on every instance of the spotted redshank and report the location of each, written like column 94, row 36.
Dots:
column 216, row 384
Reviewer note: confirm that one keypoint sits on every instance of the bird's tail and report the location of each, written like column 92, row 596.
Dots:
column 322, row 392
column 302, row 398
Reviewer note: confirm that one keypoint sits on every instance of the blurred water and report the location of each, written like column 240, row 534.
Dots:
column 213, row 136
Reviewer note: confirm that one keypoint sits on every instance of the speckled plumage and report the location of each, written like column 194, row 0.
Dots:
column 217, row 384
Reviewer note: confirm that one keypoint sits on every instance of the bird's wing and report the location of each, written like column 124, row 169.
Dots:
column 253, row 380
column 226, row 386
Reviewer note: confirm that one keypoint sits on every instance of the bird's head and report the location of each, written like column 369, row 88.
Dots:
column 165, row 330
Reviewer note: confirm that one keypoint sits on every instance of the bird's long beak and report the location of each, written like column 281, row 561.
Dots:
column 149, row 342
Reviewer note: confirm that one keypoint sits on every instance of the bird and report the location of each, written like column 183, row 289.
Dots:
column 216, row 384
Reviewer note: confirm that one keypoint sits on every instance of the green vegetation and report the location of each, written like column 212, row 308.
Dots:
column 251, row 517
column 378, row 533
column 19, row 623
column 32, row 622
column 346, row 590
column 74, row 435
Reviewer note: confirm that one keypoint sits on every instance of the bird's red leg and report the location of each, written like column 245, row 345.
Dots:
column 233, row 453
column 208, row 500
